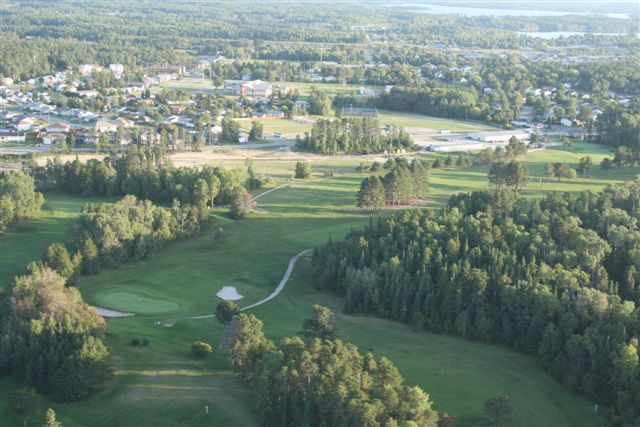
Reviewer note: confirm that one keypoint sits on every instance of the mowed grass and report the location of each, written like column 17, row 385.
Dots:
column 165, row 385
column 273, row 125
column 188, row 84
column 410, row 120
column 28, row 240
column 133, row 302
column 458, row 374
column 332, row 89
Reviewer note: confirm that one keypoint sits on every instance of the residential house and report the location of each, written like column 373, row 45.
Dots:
column 25, row 124
column 285, row 89
column 109, row 126
column 53, row 138
column 58, row 128
column 165, row 77
column 117, row 70
column 48, row 81
column 10, row 136
column 87, row 69
column 166, row 69
column 88, row 93
column 367, row 92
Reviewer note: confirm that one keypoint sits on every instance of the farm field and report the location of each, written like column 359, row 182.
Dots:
column 180, row 282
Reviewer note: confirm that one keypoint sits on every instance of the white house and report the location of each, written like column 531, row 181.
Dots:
column 566, row 122
column 88, row 93
column 87, row 69
column 9, row 136
column 58, row 128
column 109, row 126
column 53, row 138
column 25, row 124
column 117, row 70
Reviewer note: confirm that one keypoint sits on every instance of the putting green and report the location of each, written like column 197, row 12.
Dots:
column 130, row 302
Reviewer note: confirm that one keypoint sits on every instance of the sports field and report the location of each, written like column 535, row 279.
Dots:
column 164, row 385
column 283, row 126
column 410, row 120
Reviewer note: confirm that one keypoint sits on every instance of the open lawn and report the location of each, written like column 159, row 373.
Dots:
column 284, row 126
column 410, row 120
column 164, row 385
column 187, row 84
column 28, row 240
column 332, row 89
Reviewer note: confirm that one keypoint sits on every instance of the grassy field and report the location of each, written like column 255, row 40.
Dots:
column 187, row 84
column 197, row 85
column 332, row 89
column 27, row 241
column 164, row 385
column 407, row 120
column 271, row 126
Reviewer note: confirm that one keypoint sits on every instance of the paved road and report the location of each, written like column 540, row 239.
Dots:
column 279, row 288
column 269, row 191
column 283, row 282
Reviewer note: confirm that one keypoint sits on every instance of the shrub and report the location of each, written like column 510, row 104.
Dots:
column 145, row 342
column 24, row 402
column 225, row 310
column 241, row 203
column 135, row 341
column 201, row 349
column 303, row 170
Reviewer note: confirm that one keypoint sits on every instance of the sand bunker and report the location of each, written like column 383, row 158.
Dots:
column 229, row 293
column 105, row 312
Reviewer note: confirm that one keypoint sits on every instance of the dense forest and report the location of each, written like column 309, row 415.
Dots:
column 51, row 337
column 557, row 278
column 402, row 183
column 353, row 135
column 620, row 126
column 18, row 198
column 135, row 34
column 321, row 381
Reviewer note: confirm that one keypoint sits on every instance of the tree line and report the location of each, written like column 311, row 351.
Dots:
column 321, row 381
column 53, row 339
column 557, row 278
column 148, row 174
column 19, row 199
column 353, row 135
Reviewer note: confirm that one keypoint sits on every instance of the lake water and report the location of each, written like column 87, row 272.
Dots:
column 473, row 11
column 550, row 35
